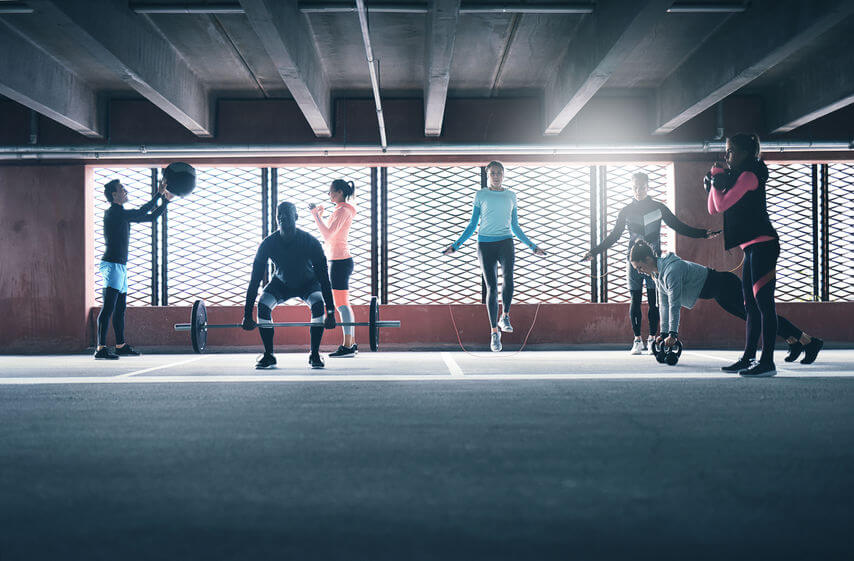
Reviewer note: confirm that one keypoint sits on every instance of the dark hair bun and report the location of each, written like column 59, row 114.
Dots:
column 347, row 188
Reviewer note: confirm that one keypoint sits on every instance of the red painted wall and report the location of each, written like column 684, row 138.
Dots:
column 431, row 326
column 46, row 265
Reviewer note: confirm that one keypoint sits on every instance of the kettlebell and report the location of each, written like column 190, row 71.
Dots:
column 667, row 355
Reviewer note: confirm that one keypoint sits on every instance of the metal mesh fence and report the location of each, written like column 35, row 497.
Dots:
column 311, row 185
column 137, row 181
column 841, row 231
column 554, row 212
column 789, row 198
column 620, row 193
column 429, row 208
column 213, row 236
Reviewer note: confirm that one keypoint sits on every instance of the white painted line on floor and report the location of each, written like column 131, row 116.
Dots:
column 704, row 355
column 302, row 378
column 161, row 367
column 452, row 365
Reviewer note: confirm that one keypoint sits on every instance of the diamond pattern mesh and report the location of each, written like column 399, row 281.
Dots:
column 428, row 209
column 309, row 184
column 213, row 236
column 789, row 197
column 554, row 212
column 137, row 181
column 620, row 194
column 841, row 230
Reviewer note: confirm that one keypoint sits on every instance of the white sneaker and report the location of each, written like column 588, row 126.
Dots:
column 495, row 343
column 649, row 341
column 637, row 347
column 504, row 325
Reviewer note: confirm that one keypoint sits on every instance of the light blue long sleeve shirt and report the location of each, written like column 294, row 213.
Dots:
column 498, row 218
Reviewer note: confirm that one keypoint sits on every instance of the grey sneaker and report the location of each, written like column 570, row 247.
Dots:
column 648, row 345
column 495, row 343
column 504, row 324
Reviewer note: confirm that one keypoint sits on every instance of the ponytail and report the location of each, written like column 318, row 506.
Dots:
column 347, row 188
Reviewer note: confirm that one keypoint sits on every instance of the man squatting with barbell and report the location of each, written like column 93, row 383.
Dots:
column 301, row 272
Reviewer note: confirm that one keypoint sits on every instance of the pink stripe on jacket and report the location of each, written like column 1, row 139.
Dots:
column 719, row 202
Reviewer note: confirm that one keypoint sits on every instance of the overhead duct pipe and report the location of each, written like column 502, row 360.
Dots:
column 108, row 152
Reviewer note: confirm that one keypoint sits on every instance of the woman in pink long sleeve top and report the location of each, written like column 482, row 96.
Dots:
column 335, row 233
column 738, row 192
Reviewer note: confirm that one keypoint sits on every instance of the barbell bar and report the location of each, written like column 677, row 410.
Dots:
column 198, row 326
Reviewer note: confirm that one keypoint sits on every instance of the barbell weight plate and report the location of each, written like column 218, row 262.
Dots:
column 373, row 320
column 198, row 326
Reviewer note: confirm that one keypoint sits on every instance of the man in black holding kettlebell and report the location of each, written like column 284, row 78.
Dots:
column 301, row 272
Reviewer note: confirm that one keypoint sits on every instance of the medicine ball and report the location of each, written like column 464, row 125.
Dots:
column 180, row 178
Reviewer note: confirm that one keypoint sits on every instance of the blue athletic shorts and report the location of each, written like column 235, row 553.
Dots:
column 115, row 276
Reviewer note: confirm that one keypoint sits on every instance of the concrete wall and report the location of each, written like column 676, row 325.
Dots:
column 47, row 264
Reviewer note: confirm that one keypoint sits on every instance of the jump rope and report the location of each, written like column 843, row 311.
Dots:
column 534, row 321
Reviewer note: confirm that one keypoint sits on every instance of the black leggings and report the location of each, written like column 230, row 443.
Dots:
column 725, row 289
column 115, row 303
column 651, row 313
column 758, row 281
column 490, row 254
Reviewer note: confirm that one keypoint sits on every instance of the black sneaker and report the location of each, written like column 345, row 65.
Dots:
column 266, row 361
column 316, row 361
column 739, row 365
column 795, row 350
column 759, row 370
column 106, row 354
column 345, row 352
column 811, row 350
column 127, row 350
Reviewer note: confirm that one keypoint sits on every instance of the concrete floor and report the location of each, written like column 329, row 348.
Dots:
column 540, row 455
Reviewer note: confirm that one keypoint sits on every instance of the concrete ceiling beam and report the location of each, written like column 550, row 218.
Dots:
column 441, row 34
column 743, row 49
column 601, row 44
column 816, row 87
column 286, row 37
column 119, row 40
column 36, row 80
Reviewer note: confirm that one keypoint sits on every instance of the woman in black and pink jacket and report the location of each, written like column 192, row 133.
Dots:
column 738, row 191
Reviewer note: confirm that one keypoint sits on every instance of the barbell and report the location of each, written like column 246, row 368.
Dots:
column 198, row 326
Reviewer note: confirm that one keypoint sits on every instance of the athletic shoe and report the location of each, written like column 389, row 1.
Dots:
column 266, row 361
column 495, row 342
column 504, row 325
column 811, row 350
column 759, row 370
column 647, row 346
column 637, row 347
column 345, row 352
column 127, row 350
column 106, row 354
column 316, row 361
column 739, row 365
column 795, row 350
